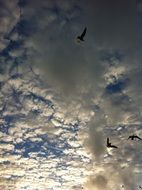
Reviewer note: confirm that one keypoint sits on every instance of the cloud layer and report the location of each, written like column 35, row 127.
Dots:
column 60, row 100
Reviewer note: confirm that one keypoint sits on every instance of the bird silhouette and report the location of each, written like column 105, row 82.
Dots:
column 109, row 145
column 132, row 137
column 140, row 187
column 81, row 37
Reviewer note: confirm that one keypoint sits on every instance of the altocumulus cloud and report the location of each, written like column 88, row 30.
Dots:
column 97, row 82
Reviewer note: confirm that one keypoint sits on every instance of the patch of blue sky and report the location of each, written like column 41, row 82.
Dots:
column 72, row 128
column 22, row 3
column 29, row 146
column 116, row 87
column 8, row 122
column 37, row 98
column 16, row 76
column 26, row 27
column 53, row 147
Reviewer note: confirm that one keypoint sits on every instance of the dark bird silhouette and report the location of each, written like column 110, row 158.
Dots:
column 132, row 137
column 140, row 187
column 81, row 37
column 109, row 145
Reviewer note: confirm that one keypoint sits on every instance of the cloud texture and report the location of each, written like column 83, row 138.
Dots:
column 59, row 97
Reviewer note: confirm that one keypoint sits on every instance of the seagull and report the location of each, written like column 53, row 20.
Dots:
column 109, row 145
column 81, row 37
column 132, row 137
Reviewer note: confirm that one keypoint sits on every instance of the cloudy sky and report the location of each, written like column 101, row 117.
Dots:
column 60, row 99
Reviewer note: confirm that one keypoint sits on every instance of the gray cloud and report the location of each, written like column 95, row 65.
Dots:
column 96, row 141
column 78, row 71
column 8, row 18
column 111, row 177
column 98, row 182
column 103, row 92
column 113, row 24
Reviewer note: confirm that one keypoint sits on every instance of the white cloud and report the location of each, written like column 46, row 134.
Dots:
column 81, row 104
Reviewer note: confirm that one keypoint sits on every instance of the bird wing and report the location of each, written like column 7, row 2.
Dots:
column 113, row 146
column 138, row 138
column 84, row 32
column 107, row 141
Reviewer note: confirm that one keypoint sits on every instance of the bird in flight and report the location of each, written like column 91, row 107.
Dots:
column 81, row 37
column 109, row 145
column 132, row 137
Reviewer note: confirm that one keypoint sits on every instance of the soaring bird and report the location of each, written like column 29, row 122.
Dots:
column 132, row 137
column 81, row 37
column 109, row 145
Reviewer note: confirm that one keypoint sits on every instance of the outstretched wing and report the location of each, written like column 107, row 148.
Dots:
column 138, row 138
column 83, row 33
column 113, row 146
column 107, row 141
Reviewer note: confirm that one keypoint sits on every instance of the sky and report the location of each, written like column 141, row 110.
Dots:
column 60, row 99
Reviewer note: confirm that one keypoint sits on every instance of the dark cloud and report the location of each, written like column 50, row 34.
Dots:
column 99, row 79
column 71, row 66
column 99, row 182
column 113, row 23
column 111, row 177
column 9, row 14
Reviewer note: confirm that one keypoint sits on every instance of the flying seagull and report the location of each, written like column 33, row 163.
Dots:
column 81, row 37
column 109, row 145
column 132, row 137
